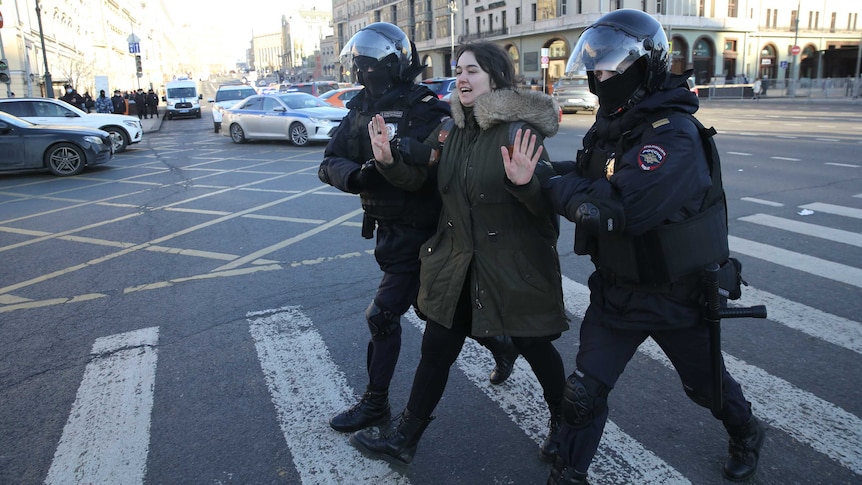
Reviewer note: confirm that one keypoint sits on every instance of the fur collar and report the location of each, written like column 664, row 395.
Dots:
column 508, row 105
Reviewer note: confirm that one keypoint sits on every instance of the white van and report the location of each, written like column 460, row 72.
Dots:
column 182, row 98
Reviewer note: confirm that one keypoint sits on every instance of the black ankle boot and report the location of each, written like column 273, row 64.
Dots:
column 561, row 474
column 371, row 410
column 744, row 448
column 548, row 450
column 396, row 445
column 505, row 353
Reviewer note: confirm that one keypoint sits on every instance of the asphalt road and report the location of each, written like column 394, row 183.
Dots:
column 192, row 312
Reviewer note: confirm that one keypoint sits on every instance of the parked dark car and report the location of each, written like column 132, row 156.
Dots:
column 315, row 88
column 64, row 150
column 440, row 85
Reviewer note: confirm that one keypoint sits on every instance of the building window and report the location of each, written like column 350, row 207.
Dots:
column 732, row 8
column 466, row 26
column 563, row 8
column 533, row 12
column 581, row 6
column 730, row 45
column 660, row 7
column 701, row 8
column 517, row 15
column 832, row 22
column 794, row 20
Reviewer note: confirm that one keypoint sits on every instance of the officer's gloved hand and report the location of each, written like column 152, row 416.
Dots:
column 602, row 211
column 361, row 178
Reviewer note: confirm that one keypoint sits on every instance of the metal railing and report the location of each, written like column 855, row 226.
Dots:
column 802, row 90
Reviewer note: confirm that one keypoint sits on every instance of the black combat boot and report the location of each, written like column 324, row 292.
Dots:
column 397, row 445
column 745, row 442
column 561, row 474
column 549, row 447
column 505, row 353
column 371, row 410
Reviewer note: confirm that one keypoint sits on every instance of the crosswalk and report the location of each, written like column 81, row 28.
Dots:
column 106, row 437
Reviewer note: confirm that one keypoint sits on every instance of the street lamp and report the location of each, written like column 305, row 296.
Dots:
column 453, row 9
column 49, row 87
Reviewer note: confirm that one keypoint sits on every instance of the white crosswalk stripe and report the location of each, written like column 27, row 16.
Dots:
column 107, row 433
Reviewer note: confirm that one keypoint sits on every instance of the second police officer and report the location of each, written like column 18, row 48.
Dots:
column 385, row 63
column 651, row 214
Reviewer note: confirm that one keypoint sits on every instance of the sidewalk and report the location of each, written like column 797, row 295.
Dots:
column 153, row 124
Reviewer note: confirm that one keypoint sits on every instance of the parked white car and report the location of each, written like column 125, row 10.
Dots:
column 124, row 130
column 226, row 97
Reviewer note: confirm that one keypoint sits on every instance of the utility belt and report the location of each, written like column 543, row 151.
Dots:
column 664, row 255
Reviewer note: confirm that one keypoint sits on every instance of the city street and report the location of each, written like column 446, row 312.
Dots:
column 193, row 312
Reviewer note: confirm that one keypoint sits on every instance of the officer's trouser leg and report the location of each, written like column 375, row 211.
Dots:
column 395, row 294
column 602, row 356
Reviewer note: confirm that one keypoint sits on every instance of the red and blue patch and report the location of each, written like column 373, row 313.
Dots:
column 651, row 157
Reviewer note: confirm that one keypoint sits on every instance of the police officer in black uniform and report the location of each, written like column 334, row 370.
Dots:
column 651, row 214
column 385, row 63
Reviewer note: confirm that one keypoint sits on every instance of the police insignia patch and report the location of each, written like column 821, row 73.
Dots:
column 391, row 130
column 651, row 157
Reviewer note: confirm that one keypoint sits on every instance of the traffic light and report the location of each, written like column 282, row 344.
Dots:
column 5, row 76
column 138, row 67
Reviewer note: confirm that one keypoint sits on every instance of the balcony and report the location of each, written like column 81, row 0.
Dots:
column 483, row 35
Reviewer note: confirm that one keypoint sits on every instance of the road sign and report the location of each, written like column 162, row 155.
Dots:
column 134, row 48
column 545, row 62
column 795, row 50
column 782, row 64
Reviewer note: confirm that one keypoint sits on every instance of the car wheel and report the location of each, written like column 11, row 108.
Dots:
column 216, row 126
column 236, row 134
column 298, row 134
column 198, row 116
column 119, row 139
column 65, row 159
column 169, row 116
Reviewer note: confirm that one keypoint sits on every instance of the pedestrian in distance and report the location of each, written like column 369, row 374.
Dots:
column 650, row 210
column 756, row 89
column 103, row 103
column 492, row 267
column 140, row 103
column 386, row 62
column 152, row 103
column 72, row 97
column 118, row 102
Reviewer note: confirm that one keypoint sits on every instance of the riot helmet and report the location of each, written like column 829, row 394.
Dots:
column 380, row 54
column 630, row 43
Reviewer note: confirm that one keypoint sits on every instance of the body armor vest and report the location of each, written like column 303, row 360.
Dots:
column 669, row 252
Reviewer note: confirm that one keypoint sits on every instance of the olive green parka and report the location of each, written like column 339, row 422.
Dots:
column 503, row 236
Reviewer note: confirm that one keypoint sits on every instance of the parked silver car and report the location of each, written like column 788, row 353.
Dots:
column 573, row 94
column 297, row 117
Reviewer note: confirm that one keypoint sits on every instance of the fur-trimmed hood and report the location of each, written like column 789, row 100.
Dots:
column 508, row 105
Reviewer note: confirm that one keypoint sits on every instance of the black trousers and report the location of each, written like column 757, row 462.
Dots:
column 395, row 294
column 603, row 355
column 441, row 346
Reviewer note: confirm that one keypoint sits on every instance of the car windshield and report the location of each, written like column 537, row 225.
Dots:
column 302, row 100
column 233, row 94
column 188, row 92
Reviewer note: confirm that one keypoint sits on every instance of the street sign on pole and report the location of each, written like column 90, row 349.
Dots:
column 134, row 48
column 795, row 50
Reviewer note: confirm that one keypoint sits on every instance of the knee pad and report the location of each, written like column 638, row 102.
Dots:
column 381, row 322
column 583, row 399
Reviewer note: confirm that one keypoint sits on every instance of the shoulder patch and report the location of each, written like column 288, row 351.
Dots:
column 428, row 98
column 651, row 157
column 661, row 122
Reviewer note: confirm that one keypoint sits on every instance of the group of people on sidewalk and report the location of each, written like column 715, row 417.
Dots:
column 135, row 103
column 465, row 202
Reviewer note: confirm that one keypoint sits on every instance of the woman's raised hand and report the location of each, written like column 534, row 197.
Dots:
column 379, row 135
column 520, row 159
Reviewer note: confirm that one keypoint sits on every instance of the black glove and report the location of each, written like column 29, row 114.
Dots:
column 361, row 178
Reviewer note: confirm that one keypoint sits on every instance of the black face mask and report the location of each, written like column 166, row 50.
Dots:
column 616, row 92
column 377, row 82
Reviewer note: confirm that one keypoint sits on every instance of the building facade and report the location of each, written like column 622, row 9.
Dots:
column 720, row 40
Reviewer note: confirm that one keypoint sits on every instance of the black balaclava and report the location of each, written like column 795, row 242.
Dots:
column 621, row 91
column 381, row 79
